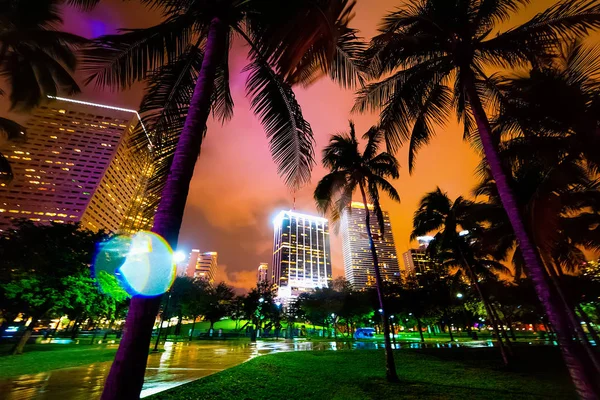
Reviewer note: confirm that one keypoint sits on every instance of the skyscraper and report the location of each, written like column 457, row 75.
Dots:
column 263, row 272
column 416, row 261
column 358, row 261
column 301, row 253
column 202, row 265
column 78, row 165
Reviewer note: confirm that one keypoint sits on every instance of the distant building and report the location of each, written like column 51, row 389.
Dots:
column 263, row 273
column 202, row 265
column 358, row 261
column 78, row 164
column 416, row 261
column 301, row 253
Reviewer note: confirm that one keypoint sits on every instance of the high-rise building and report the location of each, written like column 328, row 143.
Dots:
column 358, row 261
column 263, row 273
column 202, row 265
column 416, row 261
column 301, row 253
column 78, row 164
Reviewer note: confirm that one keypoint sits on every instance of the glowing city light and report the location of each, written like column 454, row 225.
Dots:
column 459, row 295
column 179, row 256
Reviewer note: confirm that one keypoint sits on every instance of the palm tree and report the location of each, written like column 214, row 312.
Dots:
column 560, row 97
column 287, row 45
column 367, row 172
column 433, row 55
column 36, row 58
column 558, row 201
column 437, row 213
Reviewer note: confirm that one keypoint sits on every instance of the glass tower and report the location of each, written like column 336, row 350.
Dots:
column 301, row 253
column 358, row 261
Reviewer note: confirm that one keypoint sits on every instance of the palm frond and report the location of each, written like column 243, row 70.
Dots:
column 290, row 136
column 222, row 102
column 85, row 5
column 328, row 189
column 11, row 131
column 118, row 61
column 432, row 112
column 567, row 19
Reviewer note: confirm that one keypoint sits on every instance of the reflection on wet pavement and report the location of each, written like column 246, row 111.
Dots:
column 178, row 364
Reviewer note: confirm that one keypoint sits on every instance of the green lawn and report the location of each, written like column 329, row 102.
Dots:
column 352, row 375
column 44, row 357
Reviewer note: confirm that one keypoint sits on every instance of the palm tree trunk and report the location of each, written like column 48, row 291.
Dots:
column 586, row 318
column 449, row 325
column 487, row 306
column 583, row 379
column 390, row 366
column 126, row 375
column 420, row 328
column 585, row 342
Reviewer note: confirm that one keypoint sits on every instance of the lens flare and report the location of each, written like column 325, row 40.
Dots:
column 141, row 265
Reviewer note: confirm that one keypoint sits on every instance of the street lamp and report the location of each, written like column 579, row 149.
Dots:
column 459, row 295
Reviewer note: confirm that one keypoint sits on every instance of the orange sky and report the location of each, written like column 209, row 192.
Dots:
column 236, row 191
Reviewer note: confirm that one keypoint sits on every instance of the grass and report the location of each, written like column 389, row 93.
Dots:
column 45, row 357
column 357, row 375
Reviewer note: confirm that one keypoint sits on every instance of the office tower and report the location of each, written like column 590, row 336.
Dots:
column 416, row 261
column 202, row 265
column 78, row 164
column 263, row 271
column 358, row 261
column 301, row 253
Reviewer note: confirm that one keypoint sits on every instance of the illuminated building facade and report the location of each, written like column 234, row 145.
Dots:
column 301, row 254
column 358, row 261
column 202, row 265
column 263, row 273
column 77, row 165
column 416, row 261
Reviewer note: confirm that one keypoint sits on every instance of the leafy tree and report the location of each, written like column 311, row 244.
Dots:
column 216, row 302
column 37, row 266
column 322, row 306
column 366, row 171
column 179, row 294
column 186, row 58
column 431, row 57
column 259, row 307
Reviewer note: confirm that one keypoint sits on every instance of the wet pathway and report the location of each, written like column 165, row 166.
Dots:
column 178, row 364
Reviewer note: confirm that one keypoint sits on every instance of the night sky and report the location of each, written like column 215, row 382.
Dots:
column 236, row 191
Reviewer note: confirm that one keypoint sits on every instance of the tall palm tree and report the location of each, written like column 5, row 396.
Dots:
column 433, row 55
column 36, row 58
column 286, row 45
column 559, row 203
column 437, row 213
column 368, row 172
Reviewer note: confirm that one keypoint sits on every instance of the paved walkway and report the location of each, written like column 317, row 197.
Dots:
column 178, row 364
